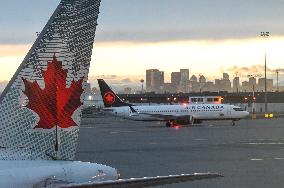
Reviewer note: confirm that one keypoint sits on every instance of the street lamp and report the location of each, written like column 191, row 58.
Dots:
column 265, row 35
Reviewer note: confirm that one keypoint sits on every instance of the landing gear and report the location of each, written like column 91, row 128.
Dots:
column 233, row 123
column 191, row 123
column 168, row 124
column 172, row 123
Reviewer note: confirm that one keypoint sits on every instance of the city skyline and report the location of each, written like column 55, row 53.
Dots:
column 183, row 82
column 221, row 37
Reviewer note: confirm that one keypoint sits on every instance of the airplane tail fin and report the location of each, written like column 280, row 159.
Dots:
column 40, row 109
column 109, row 97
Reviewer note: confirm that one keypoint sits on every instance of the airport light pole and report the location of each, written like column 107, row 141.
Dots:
column 277, row 79
column 265, row 35
column 142, row 82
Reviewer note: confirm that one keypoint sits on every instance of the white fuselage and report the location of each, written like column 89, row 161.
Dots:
column 41, row 173
column 197, row 111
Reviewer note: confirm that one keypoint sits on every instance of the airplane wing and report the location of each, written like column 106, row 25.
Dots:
column 145, row 182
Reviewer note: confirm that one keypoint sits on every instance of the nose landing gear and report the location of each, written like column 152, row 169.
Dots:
column 172, row 123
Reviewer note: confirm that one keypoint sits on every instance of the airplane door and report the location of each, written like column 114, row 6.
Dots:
column 229, row 112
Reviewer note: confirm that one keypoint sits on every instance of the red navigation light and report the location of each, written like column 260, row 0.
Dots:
column 246, row 98
column 254, row 98
column 176, row 126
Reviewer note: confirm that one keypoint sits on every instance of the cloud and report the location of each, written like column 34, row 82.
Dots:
column 153, row 20
column 189, row 32
column 118, row 82
column 257, row 70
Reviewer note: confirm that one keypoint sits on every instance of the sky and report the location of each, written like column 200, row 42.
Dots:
column 207, row 37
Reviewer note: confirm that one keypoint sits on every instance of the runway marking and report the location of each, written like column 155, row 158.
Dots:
column 118, row 132
column 200, row 139
column 265, row 143
column 278, row 158
column 256, row 159
column 86, row 127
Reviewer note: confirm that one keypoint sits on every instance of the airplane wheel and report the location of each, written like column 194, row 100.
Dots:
column 168, row 124
column 233, row 123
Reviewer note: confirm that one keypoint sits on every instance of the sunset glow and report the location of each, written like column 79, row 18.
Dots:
column 210, row 58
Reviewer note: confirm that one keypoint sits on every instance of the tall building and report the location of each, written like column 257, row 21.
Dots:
column 226, row 76
column 202, row 82
column 154, row 80
column 193, row 78
column 252, row 81
column 184, row 81
column 184, row 76
column 236, row 84
column 209, row 87
column 261, row 84
column 218, row 84
column 246, row 86
column 223, row 84
column 202, row 79
column 175, row 78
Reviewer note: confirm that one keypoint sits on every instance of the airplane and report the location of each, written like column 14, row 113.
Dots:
column 40, row 110
column 172, row 114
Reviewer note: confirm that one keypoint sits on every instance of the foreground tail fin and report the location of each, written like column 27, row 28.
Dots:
column 109, row 97
column 40, row 109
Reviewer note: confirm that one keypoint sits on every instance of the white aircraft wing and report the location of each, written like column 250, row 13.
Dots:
column 145, row 182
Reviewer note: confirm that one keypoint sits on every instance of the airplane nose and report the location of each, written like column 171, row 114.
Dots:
column 246, row 114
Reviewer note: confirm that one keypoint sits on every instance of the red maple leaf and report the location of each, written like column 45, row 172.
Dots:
column 109, row 98
column 55, row 104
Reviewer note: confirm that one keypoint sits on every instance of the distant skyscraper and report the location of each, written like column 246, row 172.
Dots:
column 202, row 79
column 184, row 76
column 193, row 78
column 226, row 76
column 246, row 86
column 218, row 84
column 175, row 78
column 223, row 84
column 154, row 80
column 252, row 81
column 236, row 84
column 261, row 84
column 184, row 81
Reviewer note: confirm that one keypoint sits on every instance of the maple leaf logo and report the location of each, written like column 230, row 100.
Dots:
column 55, row 104
column 109, row 98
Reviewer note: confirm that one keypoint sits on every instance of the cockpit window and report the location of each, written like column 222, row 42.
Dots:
column 238, row 109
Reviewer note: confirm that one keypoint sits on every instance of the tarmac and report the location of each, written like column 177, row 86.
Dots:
column 250, row 154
